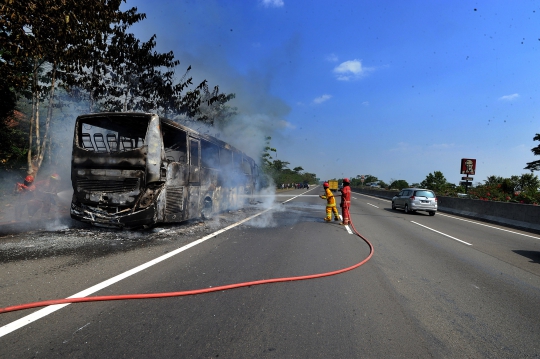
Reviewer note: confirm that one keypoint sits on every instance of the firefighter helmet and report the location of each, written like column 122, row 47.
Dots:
column 326, row 185
column 29, row 179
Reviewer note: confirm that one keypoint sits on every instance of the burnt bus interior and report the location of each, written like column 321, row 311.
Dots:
column 136, row 170
column 104, row 135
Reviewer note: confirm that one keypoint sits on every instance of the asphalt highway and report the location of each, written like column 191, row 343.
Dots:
column 436, row 287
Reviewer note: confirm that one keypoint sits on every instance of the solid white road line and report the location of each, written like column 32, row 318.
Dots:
column 487, row 225
column 8, row 328
column 444, row 234
column 473, row 222
column 300, row 195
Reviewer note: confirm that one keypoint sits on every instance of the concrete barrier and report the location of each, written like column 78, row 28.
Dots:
column 517, row 215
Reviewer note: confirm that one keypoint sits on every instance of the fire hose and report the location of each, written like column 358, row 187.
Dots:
column 191, row 292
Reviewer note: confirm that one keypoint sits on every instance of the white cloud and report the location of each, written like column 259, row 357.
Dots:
column 332, row 58
column 273, row 3
column 365, row 103
column 322, row 98
column 350, row 70
column 509, row 97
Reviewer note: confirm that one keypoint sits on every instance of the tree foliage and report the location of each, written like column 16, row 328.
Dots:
column 266, row 156
column 398, row 184
column 534, row 165
column 521, row 189
column 436, row 182
column 279, row 172
column 83, row 47
column 12, row 142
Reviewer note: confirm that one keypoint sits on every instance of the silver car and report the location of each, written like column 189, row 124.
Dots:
column 416, row 199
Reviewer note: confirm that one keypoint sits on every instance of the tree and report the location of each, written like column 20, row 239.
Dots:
column 12, row 141
column 266, row 157
column 399, row 184
column 370, row 179
column 521, row 189
column 44, row 35
column 493, row 180
column 278, row 170
column 309, row 177
column 436, row 182
column 357, row 181
column 528, row 182
column 279, row 165
column 212, row 108
column 534, row 165
column 83, row 47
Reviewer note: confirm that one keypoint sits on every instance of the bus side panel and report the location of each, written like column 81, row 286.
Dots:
column 172, row 204
column 210, row 194
column 194, row 208
column 235, row 197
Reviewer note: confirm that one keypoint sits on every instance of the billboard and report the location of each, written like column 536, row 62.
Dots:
column 468, row 166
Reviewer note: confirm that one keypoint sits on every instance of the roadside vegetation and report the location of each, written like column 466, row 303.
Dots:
column 64, row 57
column 278, row 171
column 61, row 58
column 517, row 189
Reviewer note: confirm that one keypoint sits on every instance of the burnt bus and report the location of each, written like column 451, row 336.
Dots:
column 133, row 170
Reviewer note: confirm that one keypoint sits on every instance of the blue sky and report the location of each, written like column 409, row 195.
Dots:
column 396, row 89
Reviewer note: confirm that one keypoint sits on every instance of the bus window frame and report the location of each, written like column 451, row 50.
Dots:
column 194, row 169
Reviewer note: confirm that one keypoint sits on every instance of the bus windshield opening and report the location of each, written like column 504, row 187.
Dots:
column 101, row 134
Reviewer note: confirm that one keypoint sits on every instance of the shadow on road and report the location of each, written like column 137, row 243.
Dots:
column 534, row 256
column 415, row 213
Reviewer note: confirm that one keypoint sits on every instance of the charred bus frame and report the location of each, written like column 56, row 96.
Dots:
column 138, row 169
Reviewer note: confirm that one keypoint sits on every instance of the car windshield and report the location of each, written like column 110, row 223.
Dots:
column 427, row 194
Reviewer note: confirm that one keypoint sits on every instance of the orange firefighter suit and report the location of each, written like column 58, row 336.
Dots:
column 330, row 204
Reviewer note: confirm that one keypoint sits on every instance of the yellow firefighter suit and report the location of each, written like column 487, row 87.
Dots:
column 330, row 205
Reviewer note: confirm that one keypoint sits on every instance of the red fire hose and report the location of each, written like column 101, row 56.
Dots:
column 190, row 292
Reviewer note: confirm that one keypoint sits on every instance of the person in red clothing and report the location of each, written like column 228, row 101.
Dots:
column 345, row 201
column 25, row 193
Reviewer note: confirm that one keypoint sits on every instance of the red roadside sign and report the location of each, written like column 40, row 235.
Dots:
column 468, row 166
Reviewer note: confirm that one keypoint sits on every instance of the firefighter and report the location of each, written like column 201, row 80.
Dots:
column 345, row 201
column 330, row 204
column 25, row 194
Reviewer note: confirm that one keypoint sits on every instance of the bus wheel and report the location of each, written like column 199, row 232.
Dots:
column 207, row 211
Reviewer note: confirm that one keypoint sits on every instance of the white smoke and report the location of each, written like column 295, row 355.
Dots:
column 266, row 202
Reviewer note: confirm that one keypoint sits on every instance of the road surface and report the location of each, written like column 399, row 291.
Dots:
column 436, row 287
